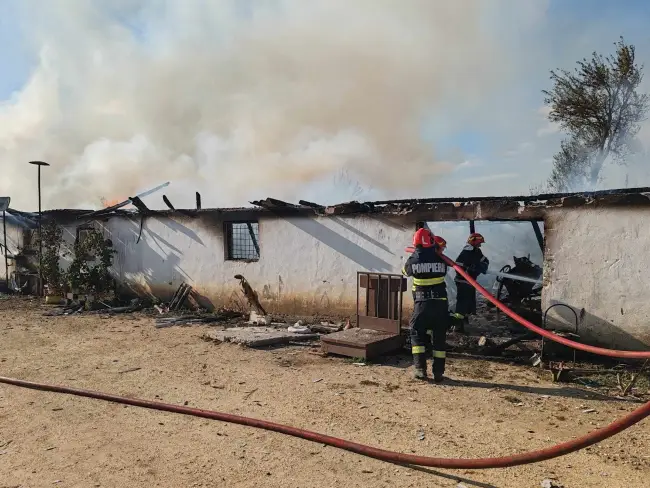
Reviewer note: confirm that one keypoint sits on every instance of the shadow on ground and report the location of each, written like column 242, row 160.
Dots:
column 451, row 477
column 404, row 361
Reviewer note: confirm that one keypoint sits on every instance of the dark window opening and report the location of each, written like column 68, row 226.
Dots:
column 242, row 241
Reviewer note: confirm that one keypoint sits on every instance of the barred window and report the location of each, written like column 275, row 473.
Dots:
column 242, row 241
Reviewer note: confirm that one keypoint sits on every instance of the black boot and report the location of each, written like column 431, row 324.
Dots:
column 438, row 369
column 460, row 328
column 420, row 365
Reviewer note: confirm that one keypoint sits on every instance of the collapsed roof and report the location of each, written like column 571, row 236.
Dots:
column 523, row 207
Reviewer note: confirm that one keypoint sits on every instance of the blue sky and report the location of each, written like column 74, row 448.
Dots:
column 497, row 142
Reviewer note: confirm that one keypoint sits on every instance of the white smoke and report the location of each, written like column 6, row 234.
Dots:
column 241, row 99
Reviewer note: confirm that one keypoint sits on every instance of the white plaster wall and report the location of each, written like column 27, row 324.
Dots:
column 305, row 263
column 597, row 262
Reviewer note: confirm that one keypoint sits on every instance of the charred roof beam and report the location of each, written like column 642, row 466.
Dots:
column 168, row 203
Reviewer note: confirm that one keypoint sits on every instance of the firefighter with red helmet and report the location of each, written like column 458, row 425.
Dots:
column 474, row 263
column 430, row 309
column 440, row 242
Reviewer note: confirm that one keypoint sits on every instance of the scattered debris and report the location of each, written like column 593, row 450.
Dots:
column 536, row 360
column 130, row 370
column 512, row 399
column 325, row 328
column 257, row 319
column 247, row 395
column 257, row 336
column 198, row 319
column 589, row 410
column 318, row 380
column 421, row 435
column 549, row 483
column 299, row 328
column 180, row 296
column 625, row 390
column 135, row 306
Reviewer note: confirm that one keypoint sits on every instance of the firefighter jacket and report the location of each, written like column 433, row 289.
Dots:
column 472, row 260
column 428, row 271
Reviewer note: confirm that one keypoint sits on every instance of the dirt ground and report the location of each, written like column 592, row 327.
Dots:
column 49, row 439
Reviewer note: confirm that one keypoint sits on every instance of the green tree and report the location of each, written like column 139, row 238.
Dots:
column 600, row 108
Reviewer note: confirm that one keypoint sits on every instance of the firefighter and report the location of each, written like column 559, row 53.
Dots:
column 430, row 309
column 474, row 263
column 441, row 244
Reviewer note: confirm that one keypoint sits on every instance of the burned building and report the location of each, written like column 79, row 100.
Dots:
column 303, row 258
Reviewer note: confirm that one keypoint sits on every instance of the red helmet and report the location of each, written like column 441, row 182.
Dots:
column 475, row 239
column 440, row 242
column 423, row 238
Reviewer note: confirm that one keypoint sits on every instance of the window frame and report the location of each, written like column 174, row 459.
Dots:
column 229, row 243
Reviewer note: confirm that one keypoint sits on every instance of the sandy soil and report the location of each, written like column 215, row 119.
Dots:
column 49, row 439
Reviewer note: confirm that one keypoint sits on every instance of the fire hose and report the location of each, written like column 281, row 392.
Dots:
column 373, row 452
column 382, row 454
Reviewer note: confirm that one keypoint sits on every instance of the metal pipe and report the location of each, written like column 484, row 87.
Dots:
column 373, row 452
column 40, row 236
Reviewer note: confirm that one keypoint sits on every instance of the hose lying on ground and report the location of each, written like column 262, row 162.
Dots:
column 381, row 454
column 543, row 332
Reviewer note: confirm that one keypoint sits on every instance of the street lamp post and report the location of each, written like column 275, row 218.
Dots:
column 40, row 240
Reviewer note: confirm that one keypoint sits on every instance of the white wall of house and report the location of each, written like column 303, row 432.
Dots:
column 597, row 262
column 306, row 264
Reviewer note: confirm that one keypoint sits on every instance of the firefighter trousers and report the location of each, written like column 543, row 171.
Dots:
column 465, row 299
column 430, row 315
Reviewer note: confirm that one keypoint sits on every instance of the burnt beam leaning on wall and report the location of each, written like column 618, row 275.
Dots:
column 252, row 234
column 472, row 227
column 144, row 211
column 198, row 201
column 538, row 234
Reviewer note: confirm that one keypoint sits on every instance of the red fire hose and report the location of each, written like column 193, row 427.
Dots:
column 545, row 333
column 384, row 455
